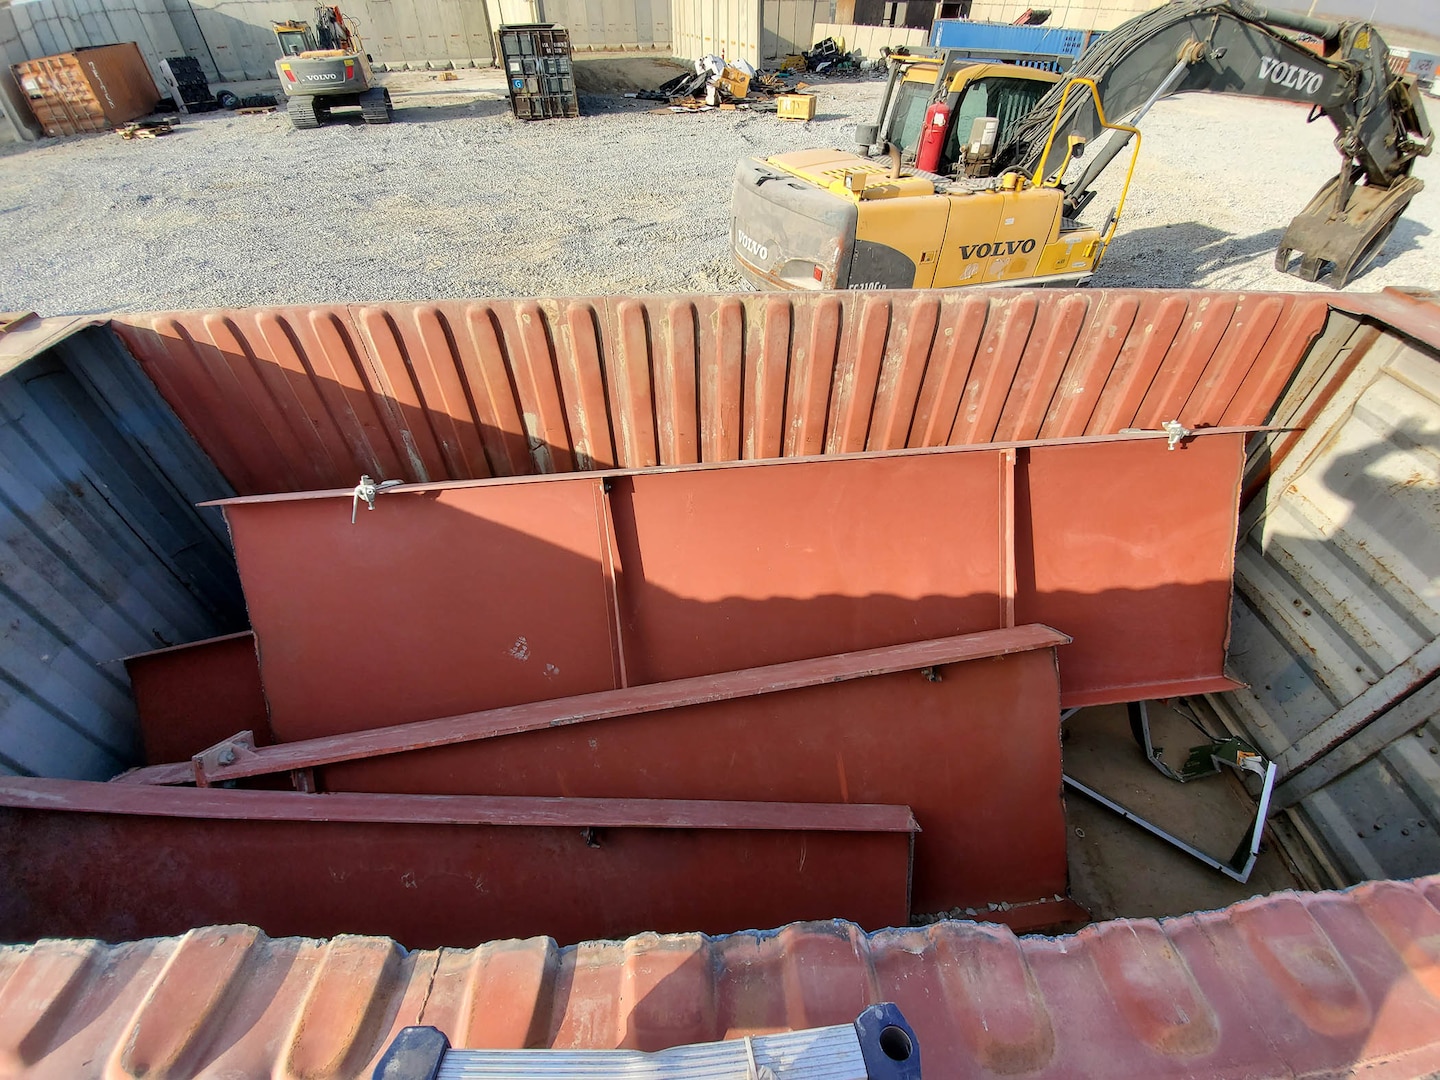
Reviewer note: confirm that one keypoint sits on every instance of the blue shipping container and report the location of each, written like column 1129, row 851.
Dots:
column 964, row 34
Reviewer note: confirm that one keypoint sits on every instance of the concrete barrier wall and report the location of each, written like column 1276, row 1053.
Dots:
column 868, row 40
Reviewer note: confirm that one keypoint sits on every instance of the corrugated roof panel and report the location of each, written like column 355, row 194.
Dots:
column 1291, row 984
column 290, row 399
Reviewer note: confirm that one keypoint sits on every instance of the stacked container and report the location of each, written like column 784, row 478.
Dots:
column 539, row 70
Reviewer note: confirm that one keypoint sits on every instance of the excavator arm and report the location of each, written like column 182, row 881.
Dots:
column 1232, row 46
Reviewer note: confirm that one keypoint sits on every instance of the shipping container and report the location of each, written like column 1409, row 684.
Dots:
column 92, row 89
column 723, row 601
column 539, row 70
column 964, row 34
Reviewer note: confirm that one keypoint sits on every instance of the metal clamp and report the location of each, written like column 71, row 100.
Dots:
column 1177, row 431
column 367, row 489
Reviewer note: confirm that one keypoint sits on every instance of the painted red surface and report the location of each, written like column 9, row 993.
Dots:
column 1279, row 986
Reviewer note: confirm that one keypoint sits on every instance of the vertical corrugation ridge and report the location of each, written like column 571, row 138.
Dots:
column 1238, row 353
column 344, row 1012
column 345, row 396
column 992, row 998
column 827, row 972
column 176, row 1020
column 509, row 994
column 293, row 389
column 765, row 378
column 857, row 374
column 902, row 374
column 1154, row 989
column 588, row 985
column 1075, row 400
column 248, row 378
column 1041, row 370
column 631, row 389
column 583, row 386
column 1139, row 363
column 385, row 339
column 537, row 380
column 183, row 377
column 1200, row 336
column 996, row 363
column 1302, row 965
column 722, row 373
column 45, row 984
column 497, row 401
column 677, row 374
column 957, row 344
column 667, row 994
column 812, row 369
column 444, row 397
column 1263, row 384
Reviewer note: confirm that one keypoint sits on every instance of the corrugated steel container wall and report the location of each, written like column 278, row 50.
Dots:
column 102, row 553
column 1327, row 984
column 1083, row 14
column 295, row 399
column 964, row 34
column 728, row 28
column 1338, row 603
column 89, row 90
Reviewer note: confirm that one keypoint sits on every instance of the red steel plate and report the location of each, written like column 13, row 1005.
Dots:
column 433, row 603
column 1130, row 549
column 118, row 862
column 975, row 755
column 732, row 568
column 191, row 696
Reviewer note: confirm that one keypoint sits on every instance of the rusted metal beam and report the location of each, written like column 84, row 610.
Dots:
column 242, row 761
column 120, row 862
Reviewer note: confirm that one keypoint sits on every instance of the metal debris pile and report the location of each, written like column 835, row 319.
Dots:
column 146, row 129
column 716, row 84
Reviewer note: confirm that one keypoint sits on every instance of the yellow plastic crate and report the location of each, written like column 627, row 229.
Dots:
column 795, row 106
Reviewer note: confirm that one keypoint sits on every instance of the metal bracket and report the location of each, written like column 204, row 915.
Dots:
column 367, row 489
column 1203, row 760
column 1177, row 431
column 216, row 758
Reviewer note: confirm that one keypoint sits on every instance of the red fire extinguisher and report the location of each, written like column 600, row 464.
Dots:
column 932, row 139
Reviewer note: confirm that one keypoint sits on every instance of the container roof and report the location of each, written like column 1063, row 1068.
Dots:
column 1276, row 986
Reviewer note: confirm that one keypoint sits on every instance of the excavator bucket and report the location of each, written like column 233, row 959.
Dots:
column 1348, row 239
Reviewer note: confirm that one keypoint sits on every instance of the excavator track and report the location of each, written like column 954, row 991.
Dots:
column 375, row 106
column 302, row 112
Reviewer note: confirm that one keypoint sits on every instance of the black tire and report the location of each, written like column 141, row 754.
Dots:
column 227, row 100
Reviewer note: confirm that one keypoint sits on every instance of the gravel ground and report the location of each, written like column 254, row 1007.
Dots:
column 458, row 199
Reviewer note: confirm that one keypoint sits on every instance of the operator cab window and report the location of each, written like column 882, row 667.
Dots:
column 1008, row 100
column 908, row 117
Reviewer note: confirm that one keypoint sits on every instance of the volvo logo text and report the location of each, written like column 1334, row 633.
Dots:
column 1001, row 247
column 754, row 247
column 1283, row 74
column 329, row 76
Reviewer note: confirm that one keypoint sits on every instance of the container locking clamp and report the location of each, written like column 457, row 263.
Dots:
column 367, row 489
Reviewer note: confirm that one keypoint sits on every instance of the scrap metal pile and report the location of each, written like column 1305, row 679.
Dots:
column 589, row 704
column 718, row 84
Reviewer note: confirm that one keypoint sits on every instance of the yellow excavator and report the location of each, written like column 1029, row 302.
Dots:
column 966, row 179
